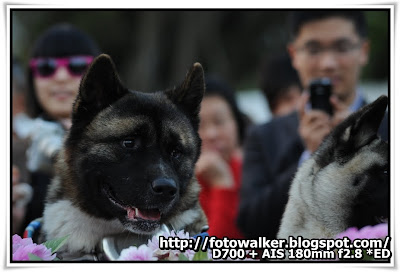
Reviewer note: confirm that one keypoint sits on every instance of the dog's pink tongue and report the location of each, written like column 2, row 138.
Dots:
column 134, row 213
column 153, row 214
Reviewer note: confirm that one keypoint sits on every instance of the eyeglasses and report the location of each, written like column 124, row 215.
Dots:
column 339, row 48
column 47, row 67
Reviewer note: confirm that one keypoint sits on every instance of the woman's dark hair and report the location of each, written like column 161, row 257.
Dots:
column 298, row 18
column 277, row 75
column 217, row 87
column 58, row 41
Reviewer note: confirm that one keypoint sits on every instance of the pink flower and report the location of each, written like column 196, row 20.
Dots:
column 19, row 242
column 143, row 253
column 181, row 234
column 22, row 248
column 189, row 254
column 367, row 232
column 154, row 242
column 152, row 250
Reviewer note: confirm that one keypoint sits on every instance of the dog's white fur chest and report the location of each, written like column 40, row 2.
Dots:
column 85, row 232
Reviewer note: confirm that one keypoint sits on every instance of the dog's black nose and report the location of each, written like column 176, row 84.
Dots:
column 165, row 187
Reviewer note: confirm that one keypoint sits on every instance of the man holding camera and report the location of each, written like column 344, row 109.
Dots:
column 324, row 44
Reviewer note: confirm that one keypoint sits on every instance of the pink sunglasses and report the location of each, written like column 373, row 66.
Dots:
column 47, row 67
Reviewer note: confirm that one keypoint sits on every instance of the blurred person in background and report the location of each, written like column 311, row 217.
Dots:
column 280, row 84
column 59, row 58
column 222, row 129
column 22, row 191
column 324, row 43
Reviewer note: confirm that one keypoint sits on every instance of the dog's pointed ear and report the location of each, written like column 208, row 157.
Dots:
column 358, row 130
column 189, row 94
column 99, row 88
column 363, row 125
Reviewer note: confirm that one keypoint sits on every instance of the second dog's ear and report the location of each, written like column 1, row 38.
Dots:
column 99, row 88
column 358, row 130
column 189, row 94
column 363, row 126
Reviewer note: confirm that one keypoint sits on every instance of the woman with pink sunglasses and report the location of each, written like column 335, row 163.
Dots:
column 60, row 56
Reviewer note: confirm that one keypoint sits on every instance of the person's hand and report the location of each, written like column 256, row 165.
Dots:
column 314, row 125
column 16, row 194
column 340, row 111
column 214, row 170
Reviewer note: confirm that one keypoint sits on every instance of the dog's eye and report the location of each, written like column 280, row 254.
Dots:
column 175, row 154
column 130, row 143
